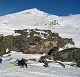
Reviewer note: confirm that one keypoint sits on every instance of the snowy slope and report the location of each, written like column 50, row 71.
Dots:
column 54, row 69
column 67, row 27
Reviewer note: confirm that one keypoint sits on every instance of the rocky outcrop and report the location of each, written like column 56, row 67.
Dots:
column 70, row 54
column 32, row 41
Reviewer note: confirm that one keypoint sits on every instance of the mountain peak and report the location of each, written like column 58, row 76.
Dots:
column 34, row 11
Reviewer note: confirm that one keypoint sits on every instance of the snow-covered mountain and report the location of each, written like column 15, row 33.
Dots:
column 67, row 26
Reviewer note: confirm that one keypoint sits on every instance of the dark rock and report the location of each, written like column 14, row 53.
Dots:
column 70, row 54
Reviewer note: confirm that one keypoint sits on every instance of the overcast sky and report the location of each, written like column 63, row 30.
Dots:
column 56, row 7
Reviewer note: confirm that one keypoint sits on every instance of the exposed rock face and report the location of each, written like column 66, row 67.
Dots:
column 70, row 54
column 33, row 41
column 5, row 42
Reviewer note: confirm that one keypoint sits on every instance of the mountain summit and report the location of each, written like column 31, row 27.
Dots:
column 33, row 11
